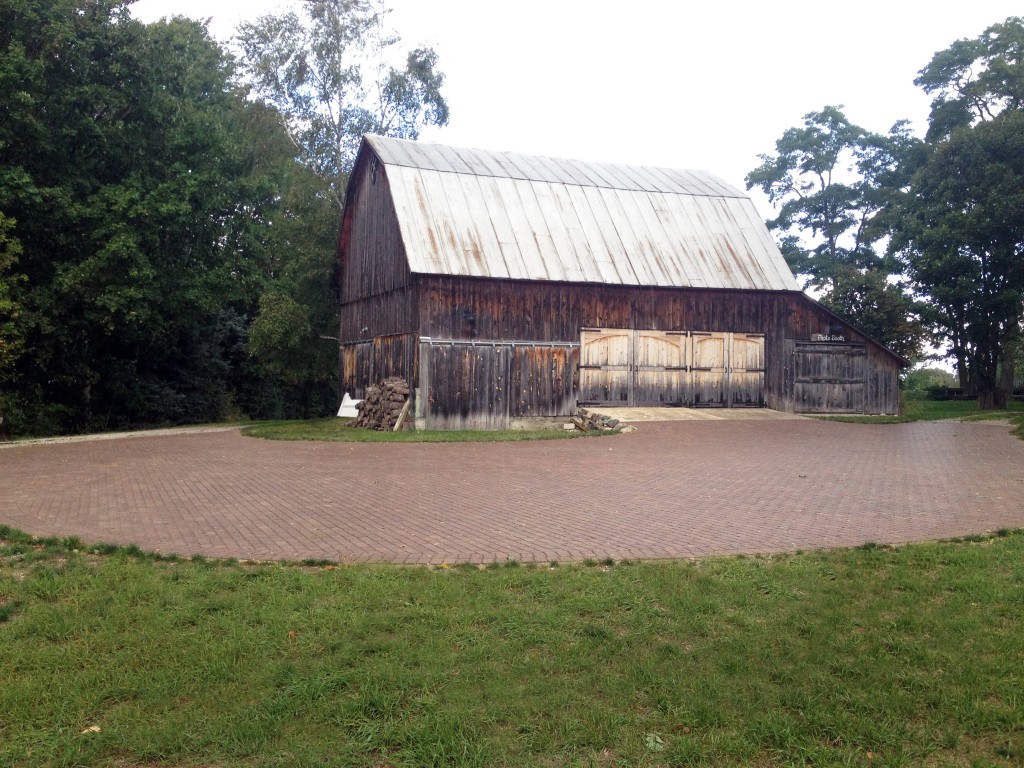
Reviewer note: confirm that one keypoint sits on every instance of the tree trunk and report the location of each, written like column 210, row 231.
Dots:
column 1007, row 369
column 985, row 381
column 987, row 398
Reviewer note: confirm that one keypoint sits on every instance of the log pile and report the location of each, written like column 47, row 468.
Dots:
column 385, row 406
column 588, row 421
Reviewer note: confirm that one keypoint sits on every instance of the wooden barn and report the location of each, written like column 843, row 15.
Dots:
column 507, row 287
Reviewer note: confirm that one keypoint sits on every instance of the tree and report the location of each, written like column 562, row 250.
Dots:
column 975, row 80
column 961, row 236
column 957, row 227
column 11, row 337
column 830, row 180
column 297, row 307
column 324, row 69
column 147, row 193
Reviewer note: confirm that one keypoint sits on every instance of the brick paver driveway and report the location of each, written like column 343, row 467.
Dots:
column 679, row 489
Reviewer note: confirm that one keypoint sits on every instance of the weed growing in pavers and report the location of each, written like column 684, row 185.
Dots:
column 872, row 656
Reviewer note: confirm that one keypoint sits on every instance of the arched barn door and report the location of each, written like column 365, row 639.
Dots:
column 606, row 367
column 746, row 370
column 659, row 362
column 709, row 369
column 623, row 367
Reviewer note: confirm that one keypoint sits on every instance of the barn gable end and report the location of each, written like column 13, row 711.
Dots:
column 505, row 287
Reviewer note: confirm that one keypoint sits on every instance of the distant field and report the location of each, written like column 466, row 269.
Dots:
column 874, row 656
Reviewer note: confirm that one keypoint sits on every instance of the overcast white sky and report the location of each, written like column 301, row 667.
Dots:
column 706, row 85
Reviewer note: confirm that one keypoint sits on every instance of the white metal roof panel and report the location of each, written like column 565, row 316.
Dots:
column 512, row 216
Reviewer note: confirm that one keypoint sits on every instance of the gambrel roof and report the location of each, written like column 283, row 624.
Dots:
column 503, row 215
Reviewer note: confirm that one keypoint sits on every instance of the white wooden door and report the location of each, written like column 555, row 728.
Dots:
column 745, row 374
column 708, row 368
column 606, row 366
column 660, row 364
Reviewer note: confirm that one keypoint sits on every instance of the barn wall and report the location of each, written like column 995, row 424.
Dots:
column 363, row 363
column 849, row 356
column 381, row 315
column 485, row 385
column 503, row 350
column 464, row 308
column 374, row 279
column 468, row 309
column 378, row 314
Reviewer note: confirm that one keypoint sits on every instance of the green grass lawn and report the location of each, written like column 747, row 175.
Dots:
column 921, row 409
column 875, row 656
column 334, row 429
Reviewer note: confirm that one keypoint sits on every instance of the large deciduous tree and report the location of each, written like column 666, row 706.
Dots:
column 325, row 69
column 974, row 80
column 143, row 189
column 961, row 233
column 959, row 228
column 830, row 179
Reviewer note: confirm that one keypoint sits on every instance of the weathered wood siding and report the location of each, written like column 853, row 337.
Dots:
column 483, row 385
column 542, row 380
column 376, row 287
column 828, row 385
column 828, row 377
column 363, row 363
column 382, row 315
column 468, row 308
column 471, row 309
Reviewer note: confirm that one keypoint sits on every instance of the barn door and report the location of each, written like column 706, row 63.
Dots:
column 708, row 369
column 622, row 367
column 466, row 384
column 829, row 378
column 746, row 370
column 606, row 366
column 660, row 368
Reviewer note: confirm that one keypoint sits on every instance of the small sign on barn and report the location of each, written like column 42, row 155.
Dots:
column 505, row 286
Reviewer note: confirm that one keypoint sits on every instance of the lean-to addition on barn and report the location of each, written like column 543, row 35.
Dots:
column 505, row 287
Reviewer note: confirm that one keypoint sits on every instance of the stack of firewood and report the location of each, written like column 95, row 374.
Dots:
column 385, row 407
column 588, row 421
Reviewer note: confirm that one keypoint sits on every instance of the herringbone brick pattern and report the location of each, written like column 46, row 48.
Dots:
column 670, row 490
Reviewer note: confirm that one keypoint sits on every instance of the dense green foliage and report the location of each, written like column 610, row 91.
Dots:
column 830, row 179
column 961, row 231
column 165, row 256
column 874, row 656
column 949, row 210
column 959, row 227
column 927, row 382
